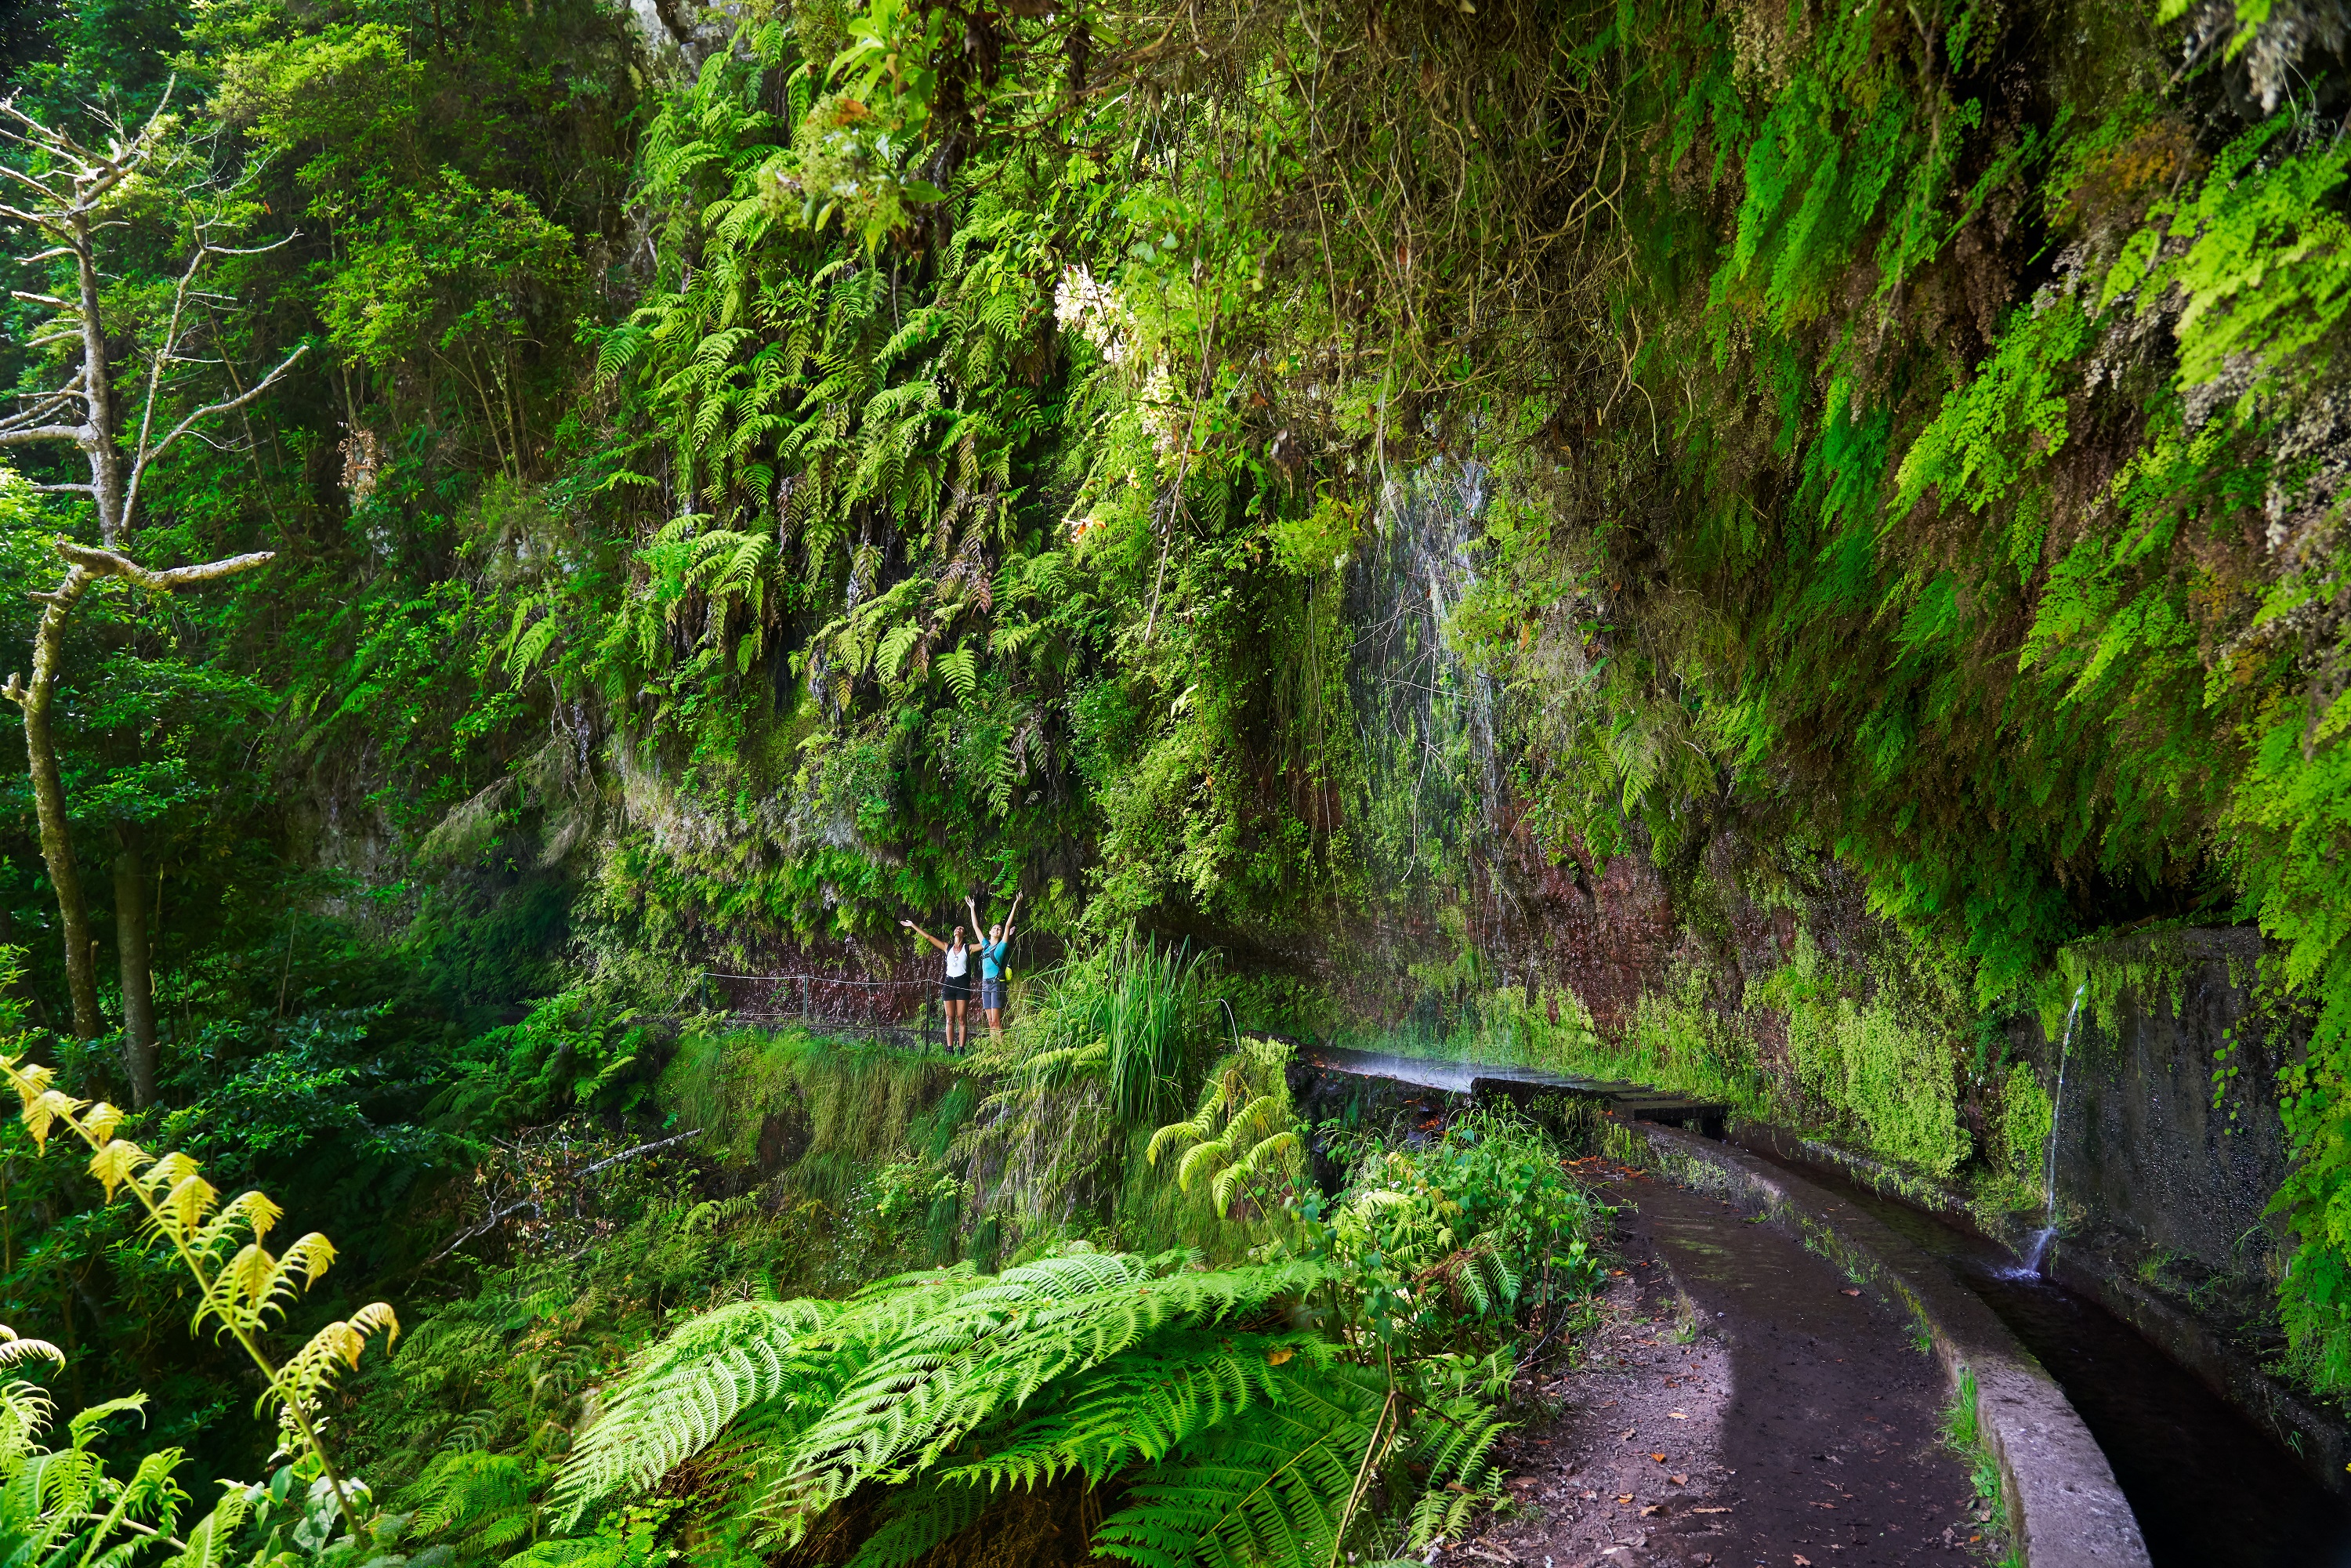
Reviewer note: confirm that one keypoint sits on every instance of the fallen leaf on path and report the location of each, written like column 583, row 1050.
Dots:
column 1675, row 1415
column 1680, row 1480
column 1659, row 1457
column 1803, row 1561
column 1848, row 1291
column 1651, row 1509
column 1627, row 1498
column 1710, row 1510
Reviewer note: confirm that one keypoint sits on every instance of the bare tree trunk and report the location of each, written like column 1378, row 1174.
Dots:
column 133, row 946
column 109, row 475
column 49, row 801
column 83, row 565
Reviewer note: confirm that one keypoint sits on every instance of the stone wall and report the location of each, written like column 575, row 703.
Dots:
column 2155, row 1181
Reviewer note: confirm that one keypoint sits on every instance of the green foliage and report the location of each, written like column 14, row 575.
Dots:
column 1243, row 1135
column 2027, row 1117
column 1470, row 1230
column 830, row 1395
column 569, row 1052
column 1864, row 1061
column 918, row 451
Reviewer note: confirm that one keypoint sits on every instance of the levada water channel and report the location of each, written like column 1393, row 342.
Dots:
column 2209, row 1487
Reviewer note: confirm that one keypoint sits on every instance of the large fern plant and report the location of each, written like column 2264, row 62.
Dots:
column 1230, row 1434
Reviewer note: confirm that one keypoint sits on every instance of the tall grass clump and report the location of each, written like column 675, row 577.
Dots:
column 1103, row 1051
column 1143, row 1005
column 1146, row 1007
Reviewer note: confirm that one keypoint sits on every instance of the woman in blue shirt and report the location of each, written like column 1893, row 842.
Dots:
column 991, row 964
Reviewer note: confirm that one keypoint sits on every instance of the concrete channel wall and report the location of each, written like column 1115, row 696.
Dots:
column 2064, row 1507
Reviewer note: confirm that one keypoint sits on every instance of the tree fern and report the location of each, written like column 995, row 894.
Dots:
column 923, row 1517
column 1140, row 1406
column 827, row 1398
column 1275, row 1488
column 685, row 1391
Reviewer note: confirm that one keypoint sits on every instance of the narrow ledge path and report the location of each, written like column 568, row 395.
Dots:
column 1742, row 1405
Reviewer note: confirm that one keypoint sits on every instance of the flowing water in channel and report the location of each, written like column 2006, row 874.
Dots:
column 2210, row 1489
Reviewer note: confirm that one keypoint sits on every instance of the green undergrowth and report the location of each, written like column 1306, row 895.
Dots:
column 1069, row 1309
column 1962, row 1431
column 819, row 1110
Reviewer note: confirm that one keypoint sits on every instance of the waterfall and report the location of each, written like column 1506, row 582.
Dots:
column 2048, row 1231
column 1424, row 721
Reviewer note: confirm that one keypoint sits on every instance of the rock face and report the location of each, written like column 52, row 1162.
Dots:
column 2151, row 1165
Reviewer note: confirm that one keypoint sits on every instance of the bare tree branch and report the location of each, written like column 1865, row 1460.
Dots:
column 226, row 405
column 108, row 563
column 35, row 414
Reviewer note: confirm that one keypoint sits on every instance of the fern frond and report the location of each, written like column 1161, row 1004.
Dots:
column 994, row 1349
column 212, row 1542
column 313, row 1368
column 923, row 1517
column 1270, row 1489
column 960, row 670
column 684, row 1394
column 1447, row 1452
column 1141, row 1406
column 16, row 1349
column 1203, row 1159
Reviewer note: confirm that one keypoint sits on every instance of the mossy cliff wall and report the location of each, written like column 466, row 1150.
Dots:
column 2168, row 1144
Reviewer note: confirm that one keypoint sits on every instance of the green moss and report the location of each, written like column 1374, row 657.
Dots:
column 2027, row 1118
column 843, row 1108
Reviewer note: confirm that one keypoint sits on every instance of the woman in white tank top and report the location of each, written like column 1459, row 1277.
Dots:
column 956, row 994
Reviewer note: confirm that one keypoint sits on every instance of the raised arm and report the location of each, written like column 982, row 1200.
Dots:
column 1008, row 919
column 978, row 931
column 923, row 934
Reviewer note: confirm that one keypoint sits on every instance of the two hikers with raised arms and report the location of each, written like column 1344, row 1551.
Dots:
column 955, row 991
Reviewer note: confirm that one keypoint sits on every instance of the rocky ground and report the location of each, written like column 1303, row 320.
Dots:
column 1742, row 1404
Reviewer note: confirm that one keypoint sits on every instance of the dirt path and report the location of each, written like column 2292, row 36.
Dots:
column 1791, row 1423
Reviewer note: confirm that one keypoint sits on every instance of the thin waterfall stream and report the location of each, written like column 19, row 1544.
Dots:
column 2039, row 1251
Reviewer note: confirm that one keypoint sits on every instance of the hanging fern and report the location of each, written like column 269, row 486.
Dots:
column 1243, row 1134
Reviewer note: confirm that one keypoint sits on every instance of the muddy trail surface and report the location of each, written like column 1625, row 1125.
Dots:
column 1782, row 1418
